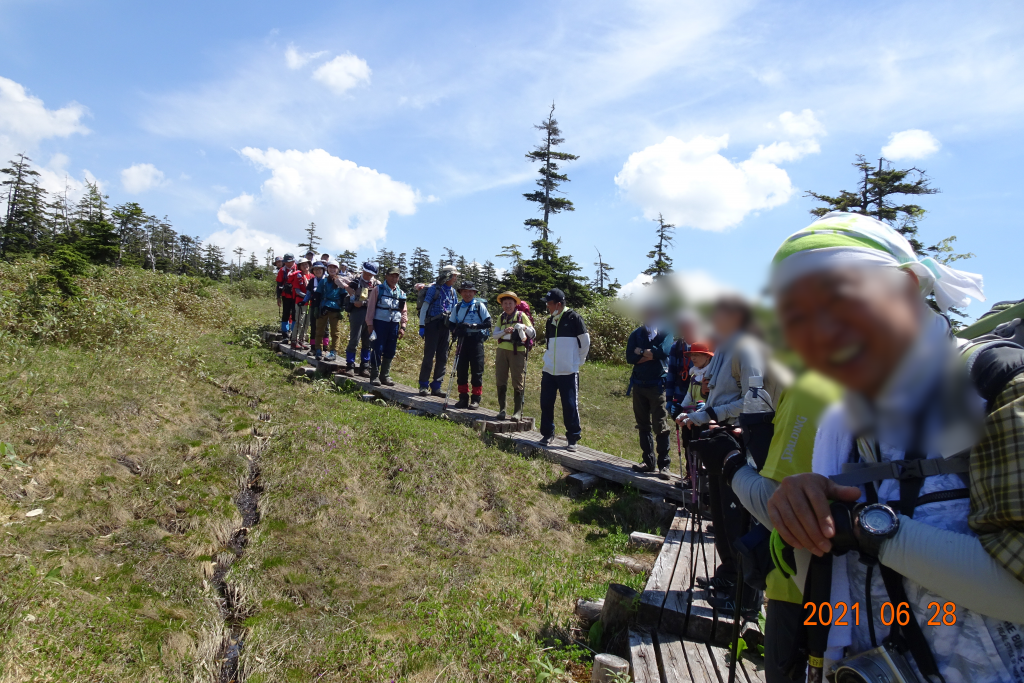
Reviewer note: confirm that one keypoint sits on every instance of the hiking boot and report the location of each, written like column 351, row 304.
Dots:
column 438, row 393
column 663, row 473
column 644, row 468
column 363, row 371
column 752, row 601
column 716, row 584
column 375, row 381
column 385, row 372
column 424, row 391
column 502, row 393
column 349, row 371
column 571, row 447
column 546, row 441
column 463, row 402
column 517, row 405
column 475, row 402
column 331, row 357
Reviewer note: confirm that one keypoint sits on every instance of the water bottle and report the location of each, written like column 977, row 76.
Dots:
column 757, row 399
column 756, row 422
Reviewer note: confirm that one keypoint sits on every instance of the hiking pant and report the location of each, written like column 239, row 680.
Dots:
column 510, row 362
column 785, row 661
column 332, row 318
column 471, row 358
column 569, row 388
column 301, row 326
column 386, row 343
column 731, row 522
column 287, row 311
column 358, row 336
column 650, row 412
column 435, row 351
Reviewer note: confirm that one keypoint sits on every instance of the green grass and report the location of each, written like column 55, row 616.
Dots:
column 390, row 547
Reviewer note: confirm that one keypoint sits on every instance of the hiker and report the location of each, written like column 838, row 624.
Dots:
column 567, row 345
column 788, row 453
column 515, row 337
column 287, row 297
column 437, row 302
column 310, row 256
column 677, row 384
column 647, row 351
column 699, row 357
column 929, row 439
column 299, row 279
column 471, row 325
column 731, row 320
column 386, row 318
column 278, row 264
column 332, row 303
column 359, row 288
column 314, row 299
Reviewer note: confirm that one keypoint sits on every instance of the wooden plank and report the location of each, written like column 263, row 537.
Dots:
column 652, row 600
column 643, row 658
column 639, row 539
column 702, row 669
column 582, row 481
column 671, row 660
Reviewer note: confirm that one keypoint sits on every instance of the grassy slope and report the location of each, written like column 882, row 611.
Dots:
column 391, row 547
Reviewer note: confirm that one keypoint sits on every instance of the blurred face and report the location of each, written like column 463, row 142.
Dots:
column 686, row 331
column 726, row 322
column 392, row 279
column 852, row 325
column 467, row 295
column 508, row 304
column 700, row 359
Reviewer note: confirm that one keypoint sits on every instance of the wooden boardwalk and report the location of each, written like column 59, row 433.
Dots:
column 526, row 441
column 679, row 636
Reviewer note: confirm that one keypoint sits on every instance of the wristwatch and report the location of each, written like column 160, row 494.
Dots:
column 877, row 522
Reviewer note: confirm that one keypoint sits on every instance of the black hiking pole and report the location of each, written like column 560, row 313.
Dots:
column 451, row 377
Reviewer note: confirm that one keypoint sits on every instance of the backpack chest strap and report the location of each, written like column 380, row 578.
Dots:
column 859, row 473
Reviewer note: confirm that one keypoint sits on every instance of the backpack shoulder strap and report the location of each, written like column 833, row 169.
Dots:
column 991, row 365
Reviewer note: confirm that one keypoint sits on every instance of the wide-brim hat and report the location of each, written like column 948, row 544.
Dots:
column 698, row 347
column 318, row 264
column 289, row 258
column 369, row 268
column 448, row 271
column 466, row 284
column 508, row 295
column 301, row 261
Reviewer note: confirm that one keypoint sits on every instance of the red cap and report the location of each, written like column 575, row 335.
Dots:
column 698, row 347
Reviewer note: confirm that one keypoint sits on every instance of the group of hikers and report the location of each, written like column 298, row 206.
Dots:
column 312, row 296
column 885, row 483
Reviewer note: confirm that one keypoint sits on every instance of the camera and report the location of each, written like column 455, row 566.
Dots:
column 883, row 664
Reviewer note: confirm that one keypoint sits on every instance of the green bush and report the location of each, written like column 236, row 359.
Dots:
column 251, row 288
column 113, row 307
column 609, row 330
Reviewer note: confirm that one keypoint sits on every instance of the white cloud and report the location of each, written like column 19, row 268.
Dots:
column 254, row 241
column 350, row 204
column 695, row 286
column 693, row 185
column 296, row 60
column 138, row 178
column 911, row 144
column 343, row 73
column 25, row 120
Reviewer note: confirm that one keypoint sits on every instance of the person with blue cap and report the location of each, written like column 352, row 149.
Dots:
column 359, row 288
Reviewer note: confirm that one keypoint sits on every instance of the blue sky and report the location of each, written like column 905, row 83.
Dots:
column 405, row 124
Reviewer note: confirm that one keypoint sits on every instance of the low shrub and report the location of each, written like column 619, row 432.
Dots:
column 251, row 288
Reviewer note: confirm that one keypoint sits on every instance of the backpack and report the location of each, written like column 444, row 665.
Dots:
column 421, row 296
column 524, row 308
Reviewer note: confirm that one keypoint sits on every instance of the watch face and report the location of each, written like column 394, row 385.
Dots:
column 877, row 519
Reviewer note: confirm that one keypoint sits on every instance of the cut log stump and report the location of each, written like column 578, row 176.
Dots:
column 589, row 611
column 639, row 539
column 605, row 665
column 619, row 605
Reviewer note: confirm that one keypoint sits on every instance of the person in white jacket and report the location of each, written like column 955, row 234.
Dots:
column 567, row 345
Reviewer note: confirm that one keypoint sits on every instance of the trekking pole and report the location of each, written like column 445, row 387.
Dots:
column 451, row 376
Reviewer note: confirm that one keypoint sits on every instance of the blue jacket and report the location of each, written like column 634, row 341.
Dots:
column 439, row 299
column 651, row 373
column 334, row 295
column 473, row 313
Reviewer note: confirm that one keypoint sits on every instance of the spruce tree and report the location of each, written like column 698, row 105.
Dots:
column 550, row 178
column 421, row 269
column 213, row 262
column 403, row 266
column 24, row 221
column 385, row 261
column 602, row 275
column 548, row 268
column 312, row 239
column 489, row 281
column 878, row 188
column 348, row 257
column 661, row 263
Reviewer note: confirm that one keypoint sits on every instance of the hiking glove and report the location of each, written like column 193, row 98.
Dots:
column 423, row 331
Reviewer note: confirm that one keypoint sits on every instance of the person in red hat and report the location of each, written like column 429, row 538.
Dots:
column 700, row 355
